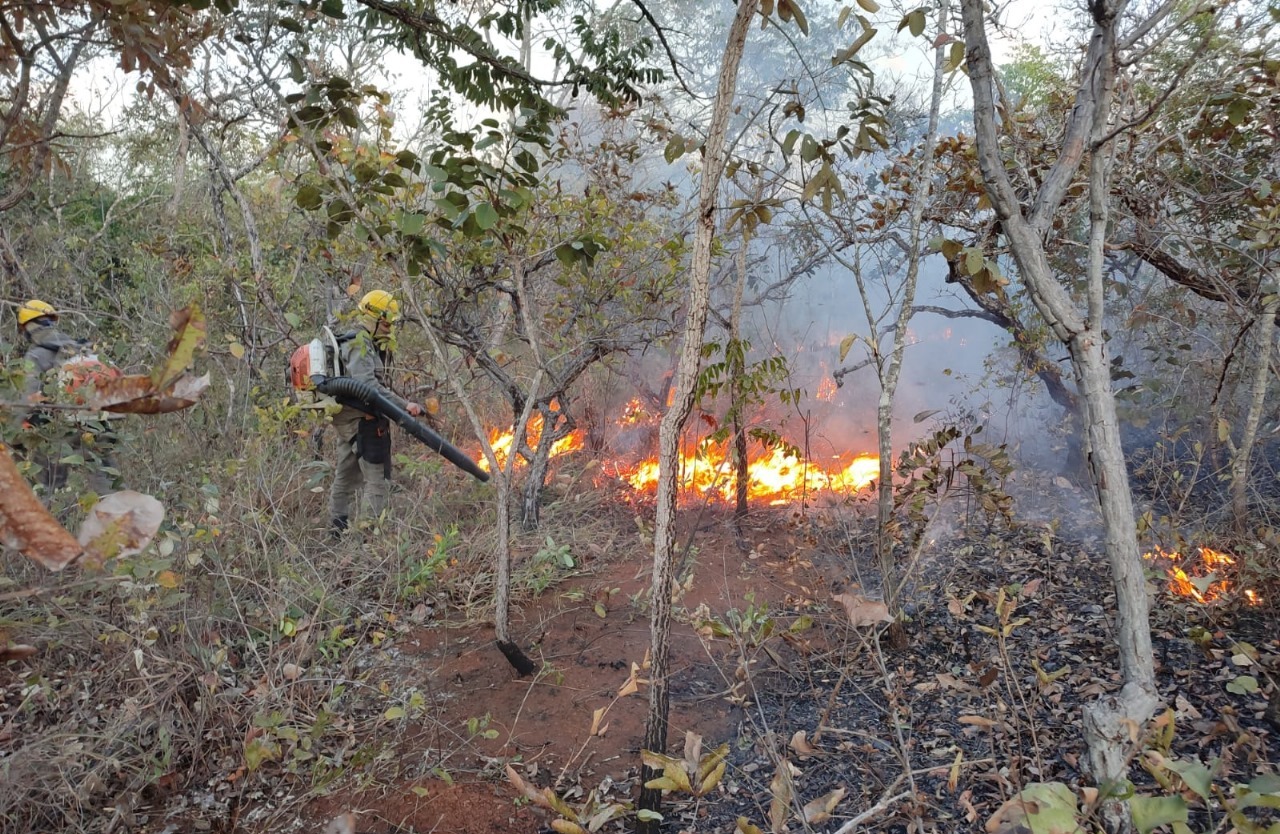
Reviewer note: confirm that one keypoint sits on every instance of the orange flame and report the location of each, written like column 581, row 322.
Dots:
column 502, row 441
column 774, row 475
column 1201, row 581
column 826, row 389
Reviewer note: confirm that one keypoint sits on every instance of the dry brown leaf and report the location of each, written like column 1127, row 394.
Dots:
column 800, row 743
column 16, row 651
column 781, row 790
column 138, row 395
column 863, row 611
column 121, row 524
column 1029, row 588
column 819, row 810
column 528, row 791
column 26, row 526
column 978, row 721
column 596, row 718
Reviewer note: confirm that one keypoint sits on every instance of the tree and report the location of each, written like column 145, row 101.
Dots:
column 673, row 421
column 1088, row 133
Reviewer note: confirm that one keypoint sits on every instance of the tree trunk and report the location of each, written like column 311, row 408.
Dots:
column 891, row 371
column 1249, row 436
column 673, row 421
column 1109, row 721
column 737, row 361
column 181, row 153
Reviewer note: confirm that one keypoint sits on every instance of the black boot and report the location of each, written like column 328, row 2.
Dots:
column 337, row 526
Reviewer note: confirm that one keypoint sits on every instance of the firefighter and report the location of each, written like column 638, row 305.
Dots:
column 364, row 440
column 48, row 348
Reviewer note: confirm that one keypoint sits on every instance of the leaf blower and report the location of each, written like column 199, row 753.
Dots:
column 369, row 398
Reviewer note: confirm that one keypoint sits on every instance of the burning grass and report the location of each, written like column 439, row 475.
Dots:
column 778, row 475
column 1205, row 578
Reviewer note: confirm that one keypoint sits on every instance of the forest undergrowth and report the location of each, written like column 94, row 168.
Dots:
column 246, row 673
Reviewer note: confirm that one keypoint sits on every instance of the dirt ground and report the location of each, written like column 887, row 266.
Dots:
column 586, row 634
column 976, row 718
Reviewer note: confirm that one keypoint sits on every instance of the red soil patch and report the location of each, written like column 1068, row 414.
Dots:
column 543, row 722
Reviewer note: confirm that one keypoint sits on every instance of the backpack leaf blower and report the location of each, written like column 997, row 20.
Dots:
column 367, row 398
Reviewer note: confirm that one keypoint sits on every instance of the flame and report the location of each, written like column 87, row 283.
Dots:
column 502, row 441
column 774, row 475
column 1201, row 582
column 706, row 470
column 826, row 389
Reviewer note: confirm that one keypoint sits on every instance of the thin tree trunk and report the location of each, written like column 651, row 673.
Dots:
column 181, row 153
column 673, row 421
column 501, row 478
column 891, row 371
column 736, row 362
column 1109, row 722
column 1261, row 379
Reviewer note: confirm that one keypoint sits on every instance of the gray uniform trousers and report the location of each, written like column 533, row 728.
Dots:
column 351, row 471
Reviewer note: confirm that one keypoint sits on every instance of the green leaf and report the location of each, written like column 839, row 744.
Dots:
column 486, row 216
column 412, row 223
column 1196, row 776
column 394, row 713
column 1151, row 812
column 309, row 198
column 333, row 8
column 913, row 21
column 955, row 57
column 291, row 25
column 1243, row 685
column 259, row 751
column 645, row 815
column 973, row 260
column 340, row 212
column 674, row 150
column 1237, row 110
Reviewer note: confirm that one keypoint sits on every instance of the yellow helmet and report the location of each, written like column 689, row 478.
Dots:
column 380, row 304
column 35, row 309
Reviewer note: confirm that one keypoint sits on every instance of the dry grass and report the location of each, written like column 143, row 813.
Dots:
column 225, row 664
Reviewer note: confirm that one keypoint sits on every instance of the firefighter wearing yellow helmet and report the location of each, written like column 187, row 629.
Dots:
column 364, row 440
column 48, row 348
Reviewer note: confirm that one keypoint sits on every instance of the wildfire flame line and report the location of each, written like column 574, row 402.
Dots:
column 774, row 476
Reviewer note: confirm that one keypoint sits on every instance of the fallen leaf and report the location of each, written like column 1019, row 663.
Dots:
column 819, row 810
column 863, row 611
column 800, row 744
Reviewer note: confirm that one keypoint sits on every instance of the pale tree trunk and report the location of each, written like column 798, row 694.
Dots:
column 1249, row 436
column 180, row 156
column 673, row 422
column 891, row 371
column 501, row 478
column 1109, row 722
column 736, row 367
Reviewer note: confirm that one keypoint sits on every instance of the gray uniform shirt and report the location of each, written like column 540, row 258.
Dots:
column 362, row 361
column 44, row 354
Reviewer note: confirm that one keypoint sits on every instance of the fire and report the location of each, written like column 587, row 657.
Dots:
column 1201, row 582
column 502, row 441
column 775, row 476
column 826, row 389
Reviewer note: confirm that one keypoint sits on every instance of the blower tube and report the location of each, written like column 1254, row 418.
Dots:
column 374, row 401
